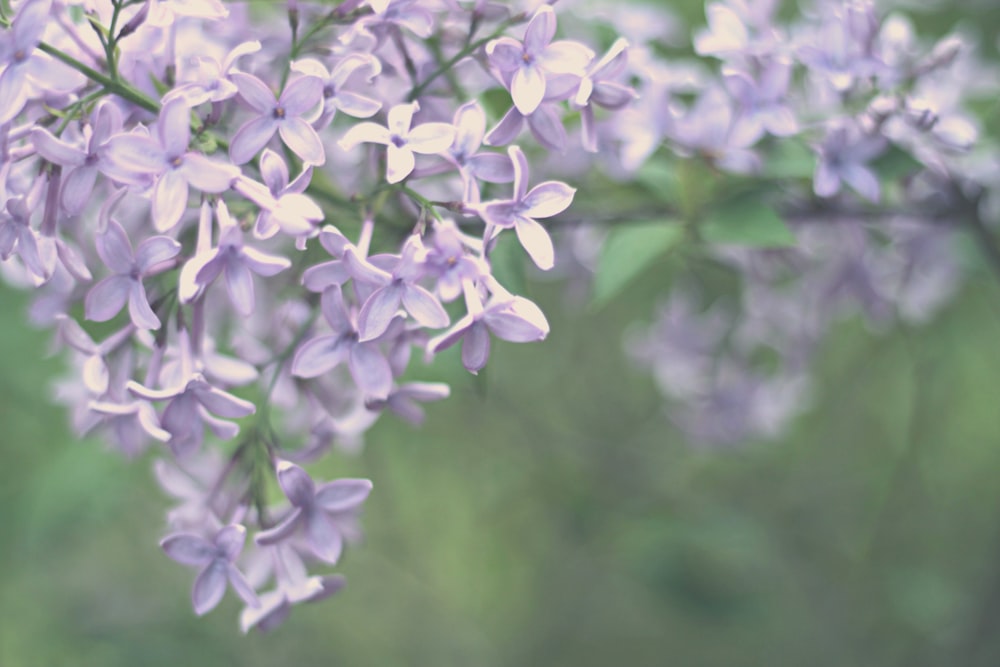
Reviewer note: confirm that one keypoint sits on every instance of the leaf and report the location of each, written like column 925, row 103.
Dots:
column 895, row 163
column 629, row 249
column 659, row 178
column 790, row 159
column 746, row 222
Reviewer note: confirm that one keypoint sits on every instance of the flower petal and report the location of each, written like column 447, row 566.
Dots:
column 251, row 137
column 324, row 537
column 114, row 248
column 317, row 356
column 424, row 308
column 370, row 370
column 548, row 199
column 170, row 198
column 208, row 175
column 107, row 298
column 343, row 494
column 295, row 483
column 188, row 549
column 303, row 140
column 378, row 311
column 141, row 314
column 527, row 88
column 155, row 250
column 535, row 240
column 209, row 587
column 255, row 93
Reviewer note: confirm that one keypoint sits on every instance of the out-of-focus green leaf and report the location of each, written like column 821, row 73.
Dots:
column 895, row 163
column 790, row 159
column 746, row 222
column 630, row 249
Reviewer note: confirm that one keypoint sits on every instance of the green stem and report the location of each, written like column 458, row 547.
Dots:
column 446, row 66
column 112, row 86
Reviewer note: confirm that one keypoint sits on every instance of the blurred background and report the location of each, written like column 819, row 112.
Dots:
column 549, row 514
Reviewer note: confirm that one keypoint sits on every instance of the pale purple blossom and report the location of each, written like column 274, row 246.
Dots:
column 402, row 140
column 530, row 62
column 109, row 296
column 283, row 115
column 520, row 212
column 133, row 158
column 216, row 560
column 314, row 509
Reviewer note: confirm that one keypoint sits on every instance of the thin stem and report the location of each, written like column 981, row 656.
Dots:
column 112, row 86
column 447, row 65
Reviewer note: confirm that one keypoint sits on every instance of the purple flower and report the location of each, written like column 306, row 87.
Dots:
column 80, row 166
column 545, row 200
column 762, row 102
column 133, row 158
column 448, row 261
column 470, row 126
column 237, row 261
column 405, row 400
column 314, row 508
column 335, row 96
column 23, row 62
column 274, row 173
column 599, row 87
column 108, row 297
column 216, row 560
column 205, row 80
column 843, row 158
column 395, row 289
column 282, row 115
column 192, row 404
column 401, row 140
column 368, row 366
column 292, row 586
column 507, row 317
column 528, row 63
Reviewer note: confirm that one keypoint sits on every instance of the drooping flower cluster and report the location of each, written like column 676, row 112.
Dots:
column 249, row 238
column 261, row 232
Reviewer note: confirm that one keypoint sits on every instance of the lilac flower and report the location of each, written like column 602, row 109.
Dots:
column 843, row 158
column 528, row 63
column 707, row 129
column 507, row 317
column 448, row 261
column 132, row 158
column 205, row 80
column 394, row 289
column 763, row 104
column 282, row 115
column 335, row 96
column 274, row 173
column 130, row 268
column 545, row 123
column 314, row 509
column 237, row 261
column 216, row 559
column 599, row 87
column 405, row 400
column 292, row 586
column 368, row 366
column 192, row 404
column 543, row 201
column 15, row 228
column 80, row 166
column 23, row 62
column 470, row 126
column 402, row 140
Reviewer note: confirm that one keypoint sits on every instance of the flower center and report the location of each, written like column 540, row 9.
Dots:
column 279, row 112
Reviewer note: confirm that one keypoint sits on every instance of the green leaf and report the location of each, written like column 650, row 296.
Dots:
column 895, row 163
column 629, row 249
column 790, row 159
column 747, row 222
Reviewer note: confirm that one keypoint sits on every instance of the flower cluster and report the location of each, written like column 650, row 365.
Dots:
column 859, row 142
column 249, row 239
column 246, row 240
